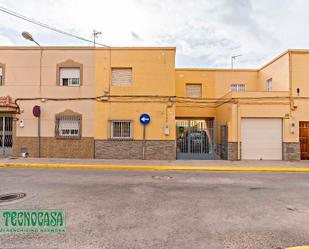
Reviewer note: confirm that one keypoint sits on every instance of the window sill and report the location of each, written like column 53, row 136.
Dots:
column 68, row 138
column 121, row 85
column 121, row 139
column 69, row 86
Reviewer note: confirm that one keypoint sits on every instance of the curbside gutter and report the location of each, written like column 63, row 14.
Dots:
column 154, row 167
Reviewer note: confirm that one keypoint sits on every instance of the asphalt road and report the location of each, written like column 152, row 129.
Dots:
column 155, row 209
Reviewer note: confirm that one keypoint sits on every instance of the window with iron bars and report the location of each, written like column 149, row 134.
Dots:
column 238, row 87
column 121, row 129
column 68, row 127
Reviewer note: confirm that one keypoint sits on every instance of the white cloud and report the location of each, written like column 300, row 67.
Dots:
column 205, row 32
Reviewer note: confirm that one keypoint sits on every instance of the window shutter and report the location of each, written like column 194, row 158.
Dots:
column 69, row 124
column 68, row 127
column 121, row 76
column 69, row 73
column 194, row 90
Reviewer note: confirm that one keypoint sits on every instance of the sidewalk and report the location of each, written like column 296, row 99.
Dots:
column 206, row 165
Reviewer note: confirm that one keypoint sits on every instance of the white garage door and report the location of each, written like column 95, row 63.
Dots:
column 261, row 138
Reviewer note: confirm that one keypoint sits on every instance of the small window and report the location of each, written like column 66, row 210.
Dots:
column 269, row 85
column 121, row 129
column 121, row 76
column 238, row 88
column 194, row 90
column 1, row 76
column 68, row 126
column 70, row 76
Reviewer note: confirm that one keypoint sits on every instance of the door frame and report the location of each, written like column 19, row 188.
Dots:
column 188, row 155
column 300, row 139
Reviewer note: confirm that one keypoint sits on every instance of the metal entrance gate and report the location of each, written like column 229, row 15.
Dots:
column 6, row 136
column 196, row 139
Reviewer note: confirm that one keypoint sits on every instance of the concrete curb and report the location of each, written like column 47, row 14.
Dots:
column 154, row 167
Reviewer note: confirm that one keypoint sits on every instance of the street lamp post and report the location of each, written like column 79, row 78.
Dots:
column 29, row 37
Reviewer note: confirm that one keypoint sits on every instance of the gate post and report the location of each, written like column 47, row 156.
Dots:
column 214, row 138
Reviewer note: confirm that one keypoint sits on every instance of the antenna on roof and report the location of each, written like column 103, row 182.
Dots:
column 233, row 58
column 95, row 34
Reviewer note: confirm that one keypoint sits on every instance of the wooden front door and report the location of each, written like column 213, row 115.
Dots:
column 304, row 140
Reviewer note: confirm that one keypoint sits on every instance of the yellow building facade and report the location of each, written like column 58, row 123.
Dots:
column 266, row 118
column 145, row 85
column 92, row 100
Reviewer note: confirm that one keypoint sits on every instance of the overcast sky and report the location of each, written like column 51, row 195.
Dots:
column 205, row 32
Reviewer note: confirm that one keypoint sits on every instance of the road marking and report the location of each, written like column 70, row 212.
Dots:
column 299, row 247
column 155, row 167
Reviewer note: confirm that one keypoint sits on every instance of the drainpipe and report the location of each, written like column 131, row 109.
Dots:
column 290, row 86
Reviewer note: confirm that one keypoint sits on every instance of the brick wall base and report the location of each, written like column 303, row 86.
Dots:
column 155, row 150
column 55, row 148
column 114, row 149
column 232, row 151
column 291, row 151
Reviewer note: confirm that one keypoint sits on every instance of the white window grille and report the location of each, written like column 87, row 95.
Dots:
column 121, row 76
column 233, row 88
column 1, row 76
column 269, row 84
column 70, row 76
column 121, row 129
column 68, row 126
column 194, row 90
column 238, row 87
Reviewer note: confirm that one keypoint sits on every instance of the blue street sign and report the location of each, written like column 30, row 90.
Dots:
column 144, row 119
